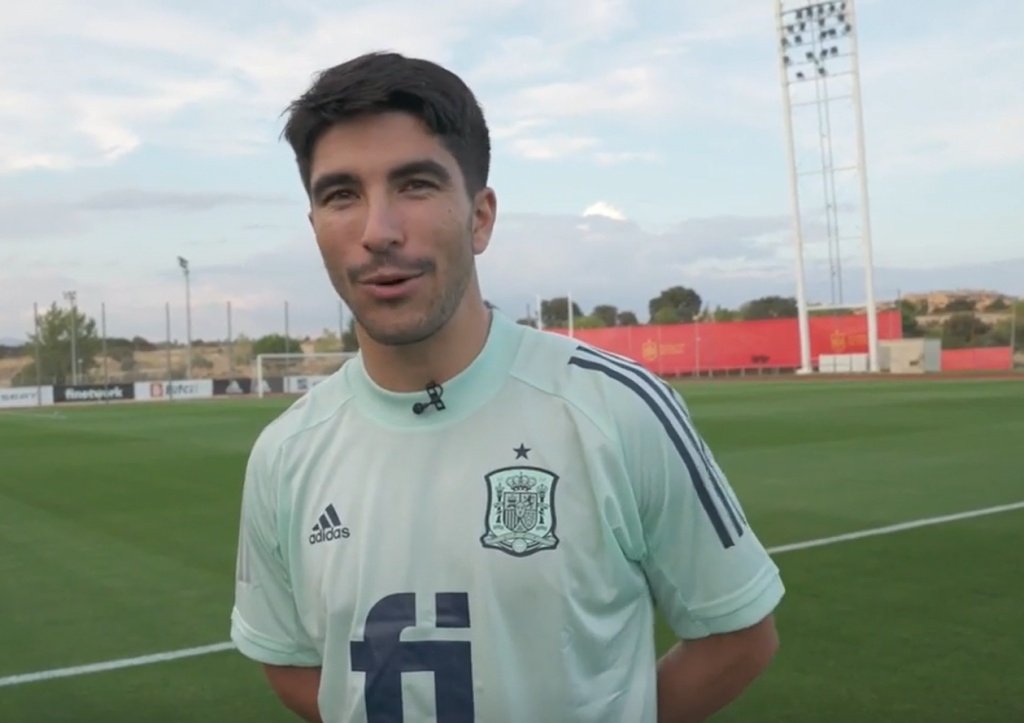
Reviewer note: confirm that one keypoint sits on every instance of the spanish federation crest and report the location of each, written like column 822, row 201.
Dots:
column 520, row 518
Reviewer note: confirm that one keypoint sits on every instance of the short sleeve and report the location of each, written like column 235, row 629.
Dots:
column 265, row 624
column 707, row 570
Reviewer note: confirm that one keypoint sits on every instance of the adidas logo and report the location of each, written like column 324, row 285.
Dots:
column 328, row 527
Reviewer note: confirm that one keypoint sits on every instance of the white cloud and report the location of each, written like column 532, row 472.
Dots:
column 89, row 83
column 622, row 91
column 580, row 86
column 27, row 219
column 548, row 148
column 614, row 158
column 602, row 208
column 728, row 260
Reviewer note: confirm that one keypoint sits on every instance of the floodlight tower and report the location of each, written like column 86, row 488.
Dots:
column 818, row 66
column 72, row 297
column 183, row 263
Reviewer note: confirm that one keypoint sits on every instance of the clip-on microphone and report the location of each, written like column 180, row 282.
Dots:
column 434, row 392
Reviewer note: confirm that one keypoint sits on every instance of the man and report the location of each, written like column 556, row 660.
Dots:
column 473, row 520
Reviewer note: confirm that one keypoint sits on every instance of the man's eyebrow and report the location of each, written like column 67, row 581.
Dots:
column 327, row 180
column 425, row 166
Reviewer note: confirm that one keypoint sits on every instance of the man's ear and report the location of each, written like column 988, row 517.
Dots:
column 485, row 212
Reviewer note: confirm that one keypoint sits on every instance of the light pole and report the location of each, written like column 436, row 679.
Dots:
column 818, row 61
column 183, row 263
column 71, row 296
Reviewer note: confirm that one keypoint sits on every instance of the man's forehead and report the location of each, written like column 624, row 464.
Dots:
column 378, row 144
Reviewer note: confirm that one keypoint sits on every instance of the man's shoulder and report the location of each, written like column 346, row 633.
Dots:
column 612, row 390
column 318, row 405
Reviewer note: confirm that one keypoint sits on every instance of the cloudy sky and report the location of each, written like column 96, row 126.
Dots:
column 637, row 145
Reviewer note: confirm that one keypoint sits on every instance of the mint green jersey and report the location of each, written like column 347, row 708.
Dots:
column 499, row 555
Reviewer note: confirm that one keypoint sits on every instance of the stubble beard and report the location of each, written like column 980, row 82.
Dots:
column 436, row 314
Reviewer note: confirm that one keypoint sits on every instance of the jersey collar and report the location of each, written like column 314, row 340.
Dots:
column 463, row 394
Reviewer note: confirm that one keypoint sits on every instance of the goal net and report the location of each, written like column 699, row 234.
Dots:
column 296, row 373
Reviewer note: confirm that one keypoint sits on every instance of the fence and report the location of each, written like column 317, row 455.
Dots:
column 159, row 391
column 984, row 359
column 737, row 346
column 217, row 343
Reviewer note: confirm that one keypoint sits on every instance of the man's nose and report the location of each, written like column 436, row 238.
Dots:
column 383, row 228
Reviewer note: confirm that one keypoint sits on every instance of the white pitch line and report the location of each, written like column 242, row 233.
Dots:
column 221, row 647
column 114, row 664
column 889, row 529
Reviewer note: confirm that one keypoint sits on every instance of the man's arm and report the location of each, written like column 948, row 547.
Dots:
column 709, row 575
column 297, row 688
column 266, row 625
column 697, row 678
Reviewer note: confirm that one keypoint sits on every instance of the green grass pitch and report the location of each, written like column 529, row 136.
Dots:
column 118, row 527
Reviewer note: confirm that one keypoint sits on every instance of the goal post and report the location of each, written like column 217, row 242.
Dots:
column 296, row 373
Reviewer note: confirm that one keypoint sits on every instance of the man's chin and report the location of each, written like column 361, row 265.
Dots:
column 405, row 334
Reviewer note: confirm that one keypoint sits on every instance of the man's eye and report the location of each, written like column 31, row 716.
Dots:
column 419, row 184
column 339, row 194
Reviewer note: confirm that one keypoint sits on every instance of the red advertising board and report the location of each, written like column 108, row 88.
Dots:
column 984, row 359
column 673, row 349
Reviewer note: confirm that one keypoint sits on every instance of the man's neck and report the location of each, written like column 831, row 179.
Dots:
column 451, row 350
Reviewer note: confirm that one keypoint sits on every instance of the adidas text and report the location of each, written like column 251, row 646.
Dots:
column 332, row 533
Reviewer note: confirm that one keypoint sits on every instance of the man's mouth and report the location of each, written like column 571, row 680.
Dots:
column 391, row 285
column 389, row 279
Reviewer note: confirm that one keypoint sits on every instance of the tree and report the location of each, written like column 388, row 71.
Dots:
column 54, row 341
column 685, row 302
column 349, row 340
column 960, row 303
column 275, row 344
column 627, row 318
column 606, row 313
column 722, row 314
column 666, row 315
column 908, row 313
column 241, row 350
column 963, row 330
column 1018, row 333
column 588, row 322
column 769, row 307
column 555, row 312
column 328, row 341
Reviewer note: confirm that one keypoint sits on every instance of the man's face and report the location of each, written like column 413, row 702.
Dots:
column 394, row 224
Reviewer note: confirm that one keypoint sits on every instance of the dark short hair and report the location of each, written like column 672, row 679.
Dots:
column 382, row 82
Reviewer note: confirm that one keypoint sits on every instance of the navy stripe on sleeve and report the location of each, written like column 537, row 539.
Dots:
column 697, row 479
column 668, row 399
